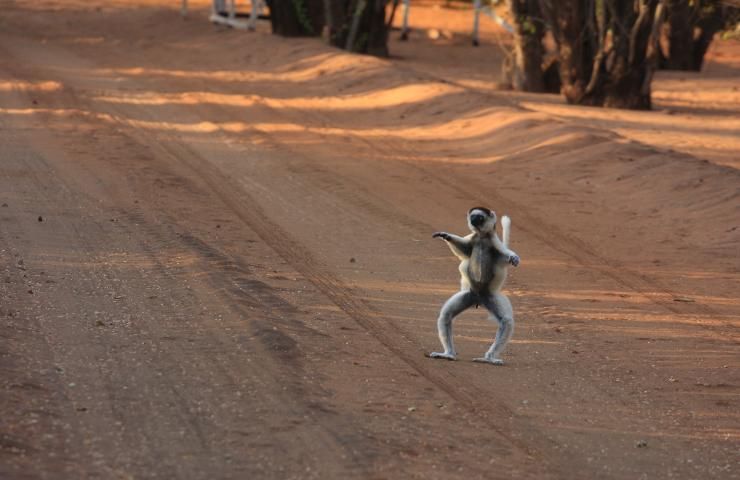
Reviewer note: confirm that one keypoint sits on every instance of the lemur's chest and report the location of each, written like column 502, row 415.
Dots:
column 481, row 268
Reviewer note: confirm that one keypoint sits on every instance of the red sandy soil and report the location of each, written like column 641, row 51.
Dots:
column 216, row 258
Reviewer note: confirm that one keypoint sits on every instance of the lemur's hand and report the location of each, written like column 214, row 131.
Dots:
column 514, row 260
column 443, row 235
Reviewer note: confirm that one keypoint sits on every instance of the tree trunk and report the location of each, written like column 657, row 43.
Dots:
column 710, row 20
column 680, row 36
column 626, row 89
column 691, row 26
column 603, row 51
column 527, row 73
column 359, row 26
column 296, row 18
column 336, row 17
column 551, row 76
column 568, row 19
column 627, row 84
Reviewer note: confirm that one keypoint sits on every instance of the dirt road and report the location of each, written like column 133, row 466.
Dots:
column 216, row 263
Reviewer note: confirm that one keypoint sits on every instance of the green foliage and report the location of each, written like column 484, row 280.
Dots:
column 361, row 42
column 707, row 10
column 301, row 12
column 529, row 27
column 360, row 9
column 731, row 34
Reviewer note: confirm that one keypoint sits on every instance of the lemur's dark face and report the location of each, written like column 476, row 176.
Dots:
column 481, row 219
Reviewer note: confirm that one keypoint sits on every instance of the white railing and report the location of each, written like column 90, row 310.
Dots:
column 224, row 12
column 478, row 8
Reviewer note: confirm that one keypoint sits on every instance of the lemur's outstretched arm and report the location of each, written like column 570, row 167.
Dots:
column 460, row 246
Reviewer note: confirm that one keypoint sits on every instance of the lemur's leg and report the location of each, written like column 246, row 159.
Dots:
column 452, row 307
column 500, row 309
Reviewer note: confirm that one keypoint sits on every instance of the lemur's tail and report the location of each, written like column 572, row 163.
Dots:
column 506, row 229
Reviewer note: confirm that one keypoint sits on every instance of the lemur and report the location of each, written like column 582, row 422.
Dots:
column 484, row 261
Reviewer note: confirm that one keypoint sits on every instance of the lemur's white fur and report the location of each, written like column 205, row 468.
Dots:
column 493, row 257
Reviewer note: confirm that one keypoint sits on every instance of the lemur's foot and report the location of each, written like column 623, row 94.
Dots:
column 492, row 361
column 442, row 355
column 514, row 260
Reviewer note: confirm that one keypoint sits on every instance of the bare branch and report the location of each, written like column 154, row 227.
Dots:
column 647, row 7
column 653, row 63
column 355, row 26
column 600, row 17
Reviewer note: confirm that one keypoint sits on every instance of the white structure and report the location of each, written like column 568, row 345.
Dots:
column 478, row 8
column 223, row 12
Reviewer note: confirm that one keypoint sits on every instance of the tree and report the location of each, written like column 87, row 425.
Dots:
column 358, row 25
column 526, row 65
column 296, row 18
column 679, row 36
column 690, row 27
column 527, row 69
column 603, row 50
column 354, row 25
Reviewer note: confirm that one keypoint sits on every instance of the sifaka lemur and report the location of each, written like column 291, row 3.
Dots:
column 484, row 261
